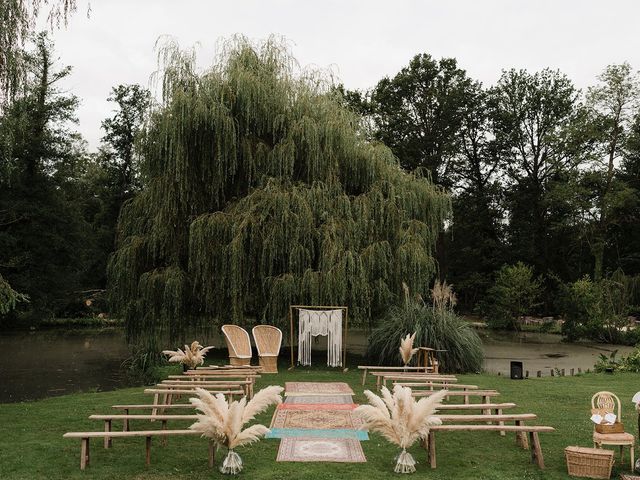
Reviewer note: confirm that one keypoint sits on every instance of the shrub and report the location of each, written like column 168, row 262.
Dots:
column 438, row 328
column 514, row 293
column 599, row 310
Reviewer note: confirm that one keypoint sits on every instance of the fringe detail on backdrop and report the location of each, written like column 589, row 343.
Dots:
column 320, row 322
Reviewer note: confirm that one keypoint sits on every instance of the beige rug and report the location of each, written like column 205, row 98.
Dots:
column 320, row 450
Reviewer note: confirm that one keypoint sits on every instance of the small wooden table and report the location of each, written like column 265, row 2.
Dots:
column 427, row 358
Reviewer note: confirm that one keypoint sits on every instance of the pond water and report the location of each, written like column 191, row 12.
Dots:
column 44, row 363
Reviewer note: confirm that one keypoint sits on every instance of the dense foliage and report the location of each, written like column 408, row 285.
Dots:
column 262, row 192
column 439, row 328
column 540, row 172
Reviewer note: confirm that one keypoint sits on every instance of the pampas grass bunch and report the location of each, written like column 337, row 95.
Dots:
column 400, row 419
column 406, row 348
column 192, row 356
column 223, row 422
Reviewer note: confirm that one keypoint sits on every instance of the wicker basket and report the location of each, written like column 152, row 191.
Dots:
column 589, row 462
column 610, row 428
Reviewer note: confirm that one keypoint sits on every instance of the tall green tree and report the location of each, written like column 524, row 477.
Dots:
column 475, row 237
column 419, row 112
column 531, row 115
column 262, row 193
column 18, row 19
column 612, row 104
column 41, row 236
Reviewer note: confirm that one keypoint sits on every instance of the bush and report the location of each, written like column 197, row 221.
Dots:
column 630, row 363
column 436, row 328
column 514, row 293
column 599, row 310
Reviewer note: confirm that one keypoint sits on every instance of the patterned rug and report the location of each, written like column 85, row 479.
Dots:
column 307, row 399
column 317, row 388
column 315, row 419
column 317, row 406
column 320, row 450
column 361, row 435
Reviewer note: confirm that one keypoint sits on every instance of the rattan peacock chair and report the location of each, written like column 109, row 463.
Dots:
column 238, row 343
column 268, row 340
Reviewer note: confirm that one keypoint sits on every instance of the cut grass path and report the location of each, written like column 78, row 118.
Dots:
column 32, row 447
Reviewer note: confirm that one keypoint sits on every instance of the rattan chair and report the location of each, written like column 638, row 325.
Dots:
column 609, row 402
column 238, row 343
column 268, row 340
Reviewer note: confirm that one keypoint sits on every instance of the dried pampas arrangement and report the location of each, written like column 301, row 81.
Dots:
column 400, row 419
column 406, row 348
column 192, row 356
column 222, row 422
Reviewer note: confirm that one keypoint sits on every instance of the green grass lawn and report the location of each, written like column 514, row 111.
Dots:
column 32, row 447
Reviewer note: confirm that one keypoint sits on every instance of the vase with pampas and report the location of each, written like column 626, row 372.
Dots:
column 401, row 420
column 192, row 356
column 223, row 422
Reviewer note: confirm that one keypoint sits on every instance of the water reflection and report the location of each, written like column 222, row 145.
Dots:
column 53, row 362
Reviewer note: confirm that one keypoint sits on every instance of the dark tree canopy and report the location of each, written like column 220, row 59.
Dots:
column 262, row 192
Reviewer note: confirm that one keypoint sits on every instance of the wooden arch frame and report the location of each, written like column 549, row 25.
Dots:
column 345, row 329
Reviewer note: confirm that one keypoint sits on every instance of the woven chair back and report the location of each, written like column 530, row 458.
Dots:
column 606, row 402
column 238, row 341
column 268, row 339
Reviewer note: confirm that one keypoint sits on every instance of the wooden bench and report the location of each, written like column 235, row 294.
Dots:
column 484, row 394
column 379, row 368
column 382, row 377
column 152, row 407
column 534, row 442
column 206, row 384
column 108, row 420
column 148, row 434
column 431, row 385
column 498, row 418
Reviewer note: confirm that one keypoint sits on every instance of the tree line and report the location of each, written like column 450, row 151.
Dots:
column 538, row 171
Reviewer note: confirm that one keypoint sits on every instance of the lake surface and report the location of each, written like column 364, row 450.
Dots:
column 44, row 363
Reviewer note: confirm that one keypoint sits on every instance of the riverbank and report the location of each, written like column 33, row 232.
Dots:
column 33, row 448
column 59, row 361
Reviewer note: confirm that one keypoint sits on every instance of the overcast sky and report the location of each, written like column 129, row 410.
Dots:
column 361, row 41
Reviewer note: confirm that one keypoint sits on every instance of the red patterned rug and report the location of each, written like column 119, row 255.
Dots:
column 317, row 388
column 320, row 450
column 309, row 399
column 316, row 419
column 317, row 406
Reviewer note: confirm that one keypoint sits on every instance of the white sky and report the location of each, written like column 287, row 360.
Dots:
column 361, row 41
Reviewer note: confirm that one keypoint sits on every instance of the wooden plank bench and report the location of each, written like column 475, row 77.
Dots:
column 218, row 384
column 432, row 385
column 534, row 442
column 108, row 421
column 150, row 406
column 380, row 368
column 148, row 434
column 382, row 377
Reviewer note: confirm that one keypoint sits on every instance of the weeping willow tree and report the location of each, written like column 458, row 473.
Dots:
column 262, row 192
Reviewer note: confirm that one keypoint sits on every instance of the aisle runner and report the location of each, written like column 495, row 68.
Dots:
column 316, row 424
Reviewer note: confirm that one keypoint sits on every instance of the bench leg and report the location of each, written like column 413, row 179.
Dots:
column 364, row 377
column 147, row 460
column 432, row 449
column 84, row 453
column 212, row 454
column 164, row 438
column 154, row 411
column 125, row 423
column 107, row 428
column 521, row 437
column 536, row 451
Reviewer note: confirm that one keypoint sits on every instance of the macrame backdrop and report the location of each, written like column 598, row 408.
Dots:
column 312, row 323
